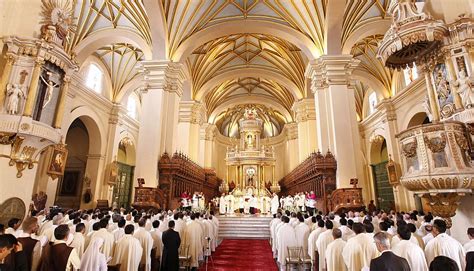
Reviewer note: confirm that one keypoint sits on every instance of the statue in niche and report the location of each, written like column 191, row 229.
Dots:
column 50, row 88
column 427, row 107
column 250, row 114
column 250, row 141
column 15, row 95
column 464, row 85
column 442, row 87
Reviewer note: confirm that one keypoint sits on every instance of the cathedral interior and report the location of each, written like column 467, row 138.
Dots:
column 131, row 103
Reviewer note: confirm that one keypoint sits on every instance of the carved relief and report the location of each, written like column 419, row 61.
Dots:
column 409, row 149
column 436, row 144
column 12, row 207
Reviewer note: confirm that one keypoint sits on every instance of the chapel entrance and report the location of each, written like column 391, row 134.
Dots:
column 383, row 190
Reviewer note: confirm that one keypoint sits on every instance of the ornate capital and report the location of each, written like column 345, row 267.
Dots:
column 192, row 111
column 291, row 131
column 163, row 74
column 331, row 70
column 304, row 110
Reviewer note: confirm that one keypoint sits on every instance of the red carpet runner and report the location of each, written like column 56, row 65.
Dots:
column 242, row 254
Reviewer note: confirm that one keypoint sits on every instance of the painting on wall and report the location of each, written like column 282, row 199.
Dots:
column 57, row 162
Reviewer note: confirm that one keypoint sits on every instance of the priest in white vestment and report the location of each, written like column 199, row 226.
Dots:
column 323, row 241
column 273, row 229
column 444, row 245
column 119, row 232
column 286, row 237
column 180, row 225
column 275, row 203
column 359, row 250
column 222, row 204
column 302, row 231
column 146, row 241
column 128, row 251
column 230, row 203
column 313, row 237
column 79, row 241
column 93, row 259
column 156, row 234
column 469, row 246
column 409, row 250
column 334, row 260
column 109, row 240
column 194, row 239
column 211, row 233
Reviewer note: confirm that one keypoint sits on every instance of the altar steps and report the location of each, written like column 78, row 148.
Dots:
column 245, row 227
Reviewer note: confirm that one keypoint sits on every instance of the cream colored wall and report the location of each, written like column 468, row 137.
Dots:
column 13, row 15
column 463, row 219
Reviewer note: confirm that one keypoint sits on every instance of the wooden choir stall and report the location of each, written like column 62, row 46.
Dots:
column 318, row 173
column 177, row 174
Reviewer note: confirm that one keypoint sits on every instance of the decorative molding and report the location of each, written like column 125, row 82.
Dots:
column 304, row 110
column 331, row 70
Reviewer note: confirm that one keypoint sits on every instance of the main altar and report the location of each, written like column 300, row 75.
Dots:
column 252, row 163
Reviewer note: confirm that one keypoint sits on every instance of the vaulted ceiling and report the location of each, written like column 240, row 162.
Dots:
column 235, row 51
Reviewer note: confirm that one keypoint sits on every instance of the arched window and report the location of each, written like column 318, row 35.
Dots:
column 132, row 106
column 372, row 102
column 94, row 78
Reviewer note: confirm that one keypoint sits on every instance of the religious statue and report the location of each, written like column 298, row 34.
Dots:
column 442, row 87
column 250, row 140
column 50, row 88
column 14, row 94
column 427, row 107
column 464, row 85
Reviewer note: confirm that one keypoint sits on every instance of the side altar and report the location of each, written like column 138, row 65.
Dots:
column 252, row 163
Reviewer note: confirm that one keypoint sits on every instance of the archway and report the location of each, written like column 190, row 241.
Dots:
column 378, row 160
column 418, row 119
column 68, row 194
column 126, row 166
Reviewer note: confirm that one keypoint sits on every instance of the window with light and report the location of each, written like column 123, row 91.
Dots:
column 410, row 74
column 132, row 106
column 94, row 78
column 372, row 102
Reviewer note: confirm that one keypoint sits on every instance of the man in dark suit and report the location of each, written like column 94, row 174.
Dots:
column 388, row 261
column 171, row 243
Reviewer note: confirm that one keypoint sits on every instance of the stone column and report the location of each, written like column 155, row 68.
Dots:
column 431, row 93
column 58, row 118
column 10, row 60
column 336, row 120
column 191, row 117
column 305, row 114
column 207, row 135
column 33, row 89
column 149, row 137
column 292, row 145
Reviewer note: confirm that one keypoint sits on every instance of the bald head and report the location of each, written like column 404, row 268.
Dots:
column 336, row 233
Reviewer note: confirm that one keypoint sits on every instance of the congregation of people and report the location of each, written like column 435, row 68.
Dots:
column 375, row 241
column 97, row 240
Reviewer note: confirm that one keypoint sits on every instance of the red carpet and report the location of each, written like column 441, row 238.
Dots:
column 242, row 254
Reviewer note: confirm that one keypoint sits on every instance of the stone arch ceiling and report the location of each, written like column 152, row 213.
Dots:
column 366, row 51
column 120, row 60
column 360, row 90
column 243, row 51
column 359, row 12
column 246, row 88
column 186, row 17
column 98, row 15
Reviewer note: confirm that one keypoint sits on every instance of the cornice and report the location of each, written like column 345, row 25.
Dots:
column 331, row 70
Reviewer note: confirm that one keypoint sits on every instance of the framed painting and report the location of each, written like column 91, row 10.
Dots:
column 57, row 161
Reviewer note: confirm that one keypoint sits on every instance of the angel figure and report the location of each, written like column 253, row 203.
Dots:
column 427, row 107
column 14, row 94
column 465, row 89
column 50, row 88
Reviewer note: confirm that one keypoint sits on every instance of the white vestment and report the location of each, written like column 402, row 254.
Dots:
column 109, row 241
column 211, row 233
column 346, row 232
column 313, row 237
column 118, row 233
column 412, row 253
column 194, row 239
column 230, row 204
column 180, row 227
column 222, row 205
column 445, row 245
column 146, row 241
column 334, row 260
column 128, row 253
column 93, row 259
column 273, row 230
column 157, row 242
column 78, row 243
column 359, row 251
column 286, row 237
column 302, row 234
column 469, row 246
column 275, row 203
column 323, row 241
